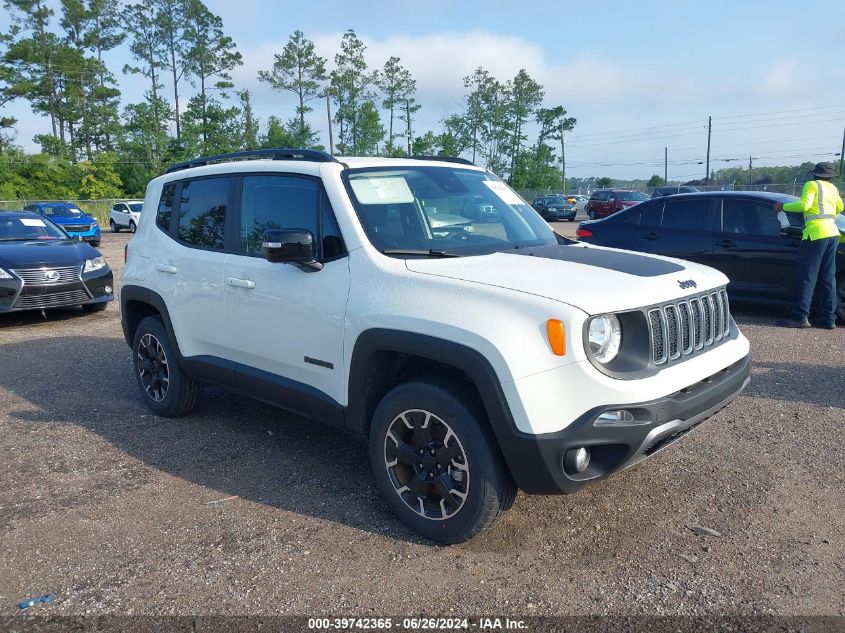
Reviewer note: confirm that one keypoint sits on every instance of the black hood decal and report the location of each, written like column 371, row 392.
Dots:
column 623, row 262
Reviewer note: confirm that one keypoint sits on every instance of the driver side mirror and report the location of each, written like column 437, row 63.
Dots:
column 291, row 246
column 793, row 232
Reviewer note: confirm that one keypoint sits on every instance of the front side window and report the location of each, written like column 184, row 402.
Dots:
column 202, row 212
column 631, row 196
column 276, row 202
column 453, row 209
column 689, row 214
column 747, row 217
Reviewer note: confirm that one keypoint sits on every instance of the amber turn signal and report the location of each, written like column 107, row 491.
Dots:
column 557, row 336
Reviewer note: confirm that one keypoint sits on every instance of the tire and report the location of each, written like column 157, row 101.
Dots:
column 95, row 244
column 166, row 389
column 476, row 470
column 840, row 300
column 132, row 226
column 592, row 215
column 572, row 219
column 95, row 307
column 114, row 227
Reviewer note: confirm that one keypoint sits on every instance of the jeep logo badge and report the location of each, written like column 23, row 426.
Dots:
column 688, row 283
column 51, row 275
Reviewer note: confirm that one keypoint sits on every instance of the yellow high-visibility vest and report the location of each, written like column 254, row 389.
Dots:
column 820, row 203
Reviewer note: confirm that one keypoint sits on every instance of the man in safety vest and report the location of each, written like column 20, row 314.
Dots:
column 820, row 203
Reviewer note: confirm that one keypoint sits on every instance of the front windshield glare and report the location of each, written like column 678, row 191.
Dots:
column 450, row 209
column 22, row 228
column 62, row 211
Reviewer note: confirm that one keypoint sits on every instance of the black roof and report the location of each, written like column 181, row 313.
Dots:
column 20, row 214
column 760, row 195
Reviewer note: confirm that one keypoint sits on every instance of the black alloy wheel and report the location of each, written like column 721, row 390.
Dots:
column 132, row 227
column 153, row 369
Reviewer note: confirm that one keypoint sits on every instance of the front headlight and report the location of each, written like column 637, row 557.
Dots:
column 94, row 264
column 4, row 274
column 604, row 337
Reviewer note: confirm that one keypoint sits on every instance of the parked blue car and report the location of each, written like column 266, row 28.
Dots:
column 71, row 218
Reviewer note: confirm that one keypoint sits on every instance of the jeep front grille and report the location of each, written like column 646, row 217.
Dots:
column 684, row 327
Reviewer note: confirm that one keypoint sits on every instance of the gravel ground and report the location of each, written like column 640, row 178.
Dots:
column 243, row 509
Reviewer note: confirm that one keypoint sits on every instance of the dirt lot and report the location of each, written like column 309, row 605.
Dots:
column 243, row 509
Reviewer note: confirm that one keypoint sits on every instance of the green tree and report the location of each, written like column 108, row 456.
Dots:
column 172, row 18
column 146, row 43
column 350, row 88
column 249, row 123
column 99, row 179
column 604, row 182
column 399, row 88
column 524, row 96
column 208, row 127
column 298, row 69
column 211, row 57
column 655, row 181
column 277, row 135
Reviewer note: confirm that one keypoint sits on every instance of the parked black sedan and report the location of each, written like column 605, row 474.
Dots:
column 41, row 266
column 555, row 207
column 736, row 232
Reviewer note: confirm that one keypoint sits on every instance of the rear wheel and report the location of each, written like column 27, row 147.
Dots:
column 114, row 227
column 167, row 390
column 132, row 226
column 436, row 462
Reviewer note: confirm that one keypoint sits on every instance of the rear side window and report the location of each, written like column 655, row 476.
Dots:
column 165, row 206
column 747, row 217
column 688, row 214
column 202, row 212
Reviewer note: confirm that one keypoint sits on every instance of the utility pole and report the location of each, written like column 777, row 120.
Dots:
column 665, row 165
column 841, row 158
column 562, row 157
column 329, row 116
column 709, row 129
column 750, row 177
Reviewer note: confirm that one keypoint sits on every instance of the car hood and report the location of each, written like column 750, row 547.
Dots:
column 71, row 219
column 592, row 278
column 37, row 253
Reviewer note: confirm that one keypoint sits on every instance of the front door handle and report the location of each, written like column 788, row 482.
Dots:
column 240, row 283
column 651, row 236
column 725, row 243
column 167, row 268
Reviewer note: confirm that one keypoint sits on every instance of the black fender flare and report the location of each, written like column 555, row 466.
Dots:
column 132, row 293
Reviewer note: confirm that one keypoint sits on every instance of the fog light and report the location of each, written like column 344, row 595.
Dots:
column 614, row 418
column 107, row 289
column 576, row 460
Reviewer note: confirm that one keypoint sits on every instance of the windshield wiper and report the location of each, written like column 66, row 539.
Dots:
column 418, row 251
column 17, row 239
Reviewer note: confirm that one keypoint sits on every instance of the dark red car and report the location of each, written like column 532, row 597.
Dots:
column 605, row 202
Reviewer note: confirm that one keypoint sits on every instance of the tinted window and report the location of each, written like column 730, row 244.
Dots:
column 749, row 218
column 651, row 214
column 688, row 214
column 631, row 195
column 202, row 212
column 165, row 206
column 332, row 239
column 276, row 202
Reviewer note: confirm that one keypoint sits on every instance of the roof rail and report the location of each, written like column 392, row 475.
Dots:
column 273, row 154
column 445, row 159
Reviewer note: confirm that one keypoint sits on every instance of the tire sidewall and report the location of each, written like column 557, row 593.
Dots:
column 167, row 406
column 464, row 422
column 114, row 227
column 132, row 226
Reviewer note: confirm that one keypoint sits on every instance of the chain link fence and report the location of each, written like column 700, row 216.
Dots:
column 98, row 208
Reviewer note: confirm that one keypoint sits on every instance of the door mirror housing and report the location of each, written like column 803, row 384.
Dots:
column 291, row 246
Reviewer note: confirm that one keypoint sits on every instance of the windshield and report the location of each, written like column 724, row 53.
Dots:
column 557, row 200
column 136, row 207
column 24, row 228
column 631, row 195
column 62, row 211
column 462, row 211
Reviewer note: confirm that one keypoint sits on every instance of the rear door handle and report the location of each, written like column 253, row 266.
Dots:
column 651, row 236
column 725, row 243
column 167, row 268
column 240, row 283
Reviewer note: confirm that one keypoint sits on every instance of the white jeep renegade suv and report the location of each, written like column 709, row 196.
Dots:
column 476, row 359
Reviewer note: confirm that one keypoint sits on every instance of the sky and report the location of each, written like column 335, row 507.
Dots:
column 639, row 77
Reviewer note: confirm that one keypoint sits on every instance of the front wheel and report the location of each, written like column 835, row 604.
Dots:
column 572, row 219
column 168, row 390
column 436, row 462
column 95, row 244
column 114, row 227
column 132, row 226
column 591, row 215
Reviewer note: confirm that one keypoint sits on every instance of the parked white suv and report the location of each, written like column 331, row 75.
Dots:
column 125, row 215
column 474, row 362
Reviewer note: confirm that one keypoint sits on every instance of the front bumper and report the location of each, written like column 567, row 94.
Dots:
column 95, row 287
column 536, row 462
column 91, row 235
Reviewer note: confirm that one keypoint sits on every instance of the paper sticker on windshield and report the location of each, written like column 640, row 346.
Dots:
column 32, row 222
column 385, row 190
column 505, row 193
